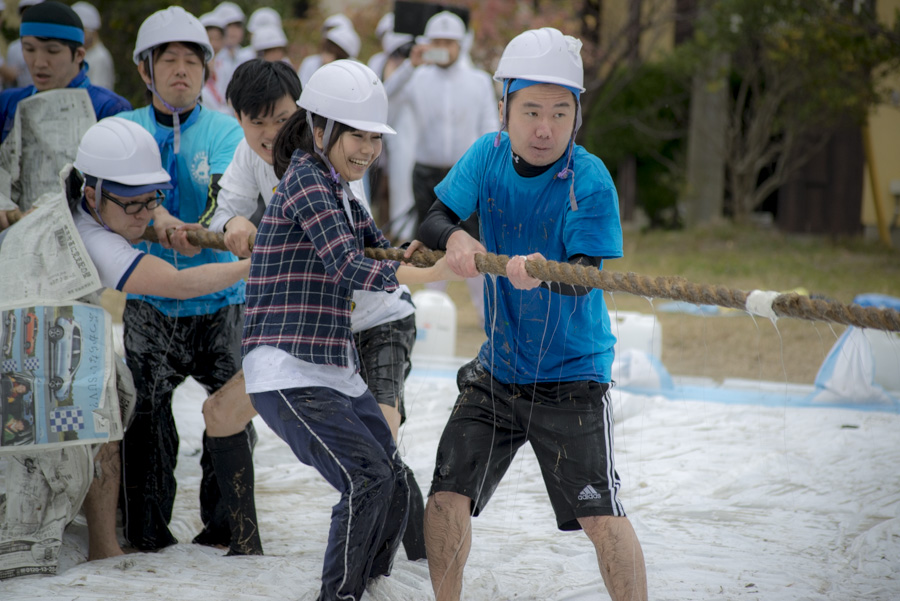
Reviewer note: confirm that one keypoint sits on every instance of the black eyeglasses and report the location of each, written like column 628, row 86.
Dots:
column 133, row 208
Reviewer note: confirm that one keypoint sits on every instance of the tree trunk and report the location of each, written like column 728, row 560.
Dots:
column 703, row 196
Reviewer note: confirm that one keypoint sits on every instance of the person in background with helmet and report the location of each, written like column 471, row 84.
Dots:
column 451, row 104
column 212, row 97
column 543, row 375
column 168, row 339
column 300, row 362
column 53, row 42
column 263, row 17
column 232, row 53
column 339, row 41
column 100, row 62
column 270, row 44
column 264, row 97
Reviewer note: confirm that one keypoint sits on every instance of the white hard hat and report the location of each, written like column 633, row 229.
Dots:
column 337, row 20
column 346, row 38
column 122, row 152
column 173, row 24
column 268, row 36
column 263, row 16
column 349, row 92
column 89, row 15
column 544, row 55
column 392, row 41
column 445, row 26
column 212, row 20
column 385, row 25
column 230, row 13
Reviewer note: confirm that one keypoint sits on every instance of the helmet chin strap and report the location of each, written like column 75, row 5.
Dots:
column 98, row 194
column 326, row 138
column 176, row 111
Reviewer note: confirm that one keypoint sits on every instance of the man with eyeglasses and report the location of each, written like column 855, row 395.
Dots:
column 113, row 190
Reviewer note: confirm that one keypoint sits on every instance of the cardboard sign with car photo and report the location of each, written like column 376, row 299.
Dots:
column 53, row 373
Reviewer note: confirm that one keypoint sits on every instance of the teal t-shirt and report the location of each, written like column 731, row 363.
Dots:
column 208, row 142
column 537, row 335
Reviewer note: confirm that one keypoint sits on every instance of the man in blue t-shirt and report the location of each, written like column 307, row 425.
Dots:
column 543, row 376
column 52, row 38
column 167, row 340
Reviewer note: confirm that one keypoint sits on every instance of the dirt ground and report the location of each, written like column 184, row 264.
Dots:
column 717, row 347
column 723, row 346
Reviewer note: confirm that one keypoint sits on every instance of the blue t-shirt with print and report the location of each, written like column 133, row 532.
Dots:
column 208, row 141
column 538, row 335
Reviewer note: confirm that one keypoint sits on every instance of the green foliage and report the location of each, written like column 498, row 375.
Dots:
column 799, row 68
column 643, row 112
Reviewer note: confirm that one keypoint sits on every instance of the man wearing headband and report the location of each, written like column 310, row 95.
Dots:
column 53, row 45
column 543, row 375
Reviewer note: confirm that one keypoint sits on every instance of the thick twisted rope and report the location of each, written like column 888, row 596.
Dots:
column 766, row 304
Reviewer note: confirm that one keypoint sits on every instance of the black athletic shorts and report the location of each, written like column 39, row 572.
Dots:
column 569, row 426
column 384, row 359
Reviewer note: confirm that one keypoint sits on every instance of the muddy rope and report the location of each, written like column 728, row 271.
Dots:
column 765, row 304
column 769, row 305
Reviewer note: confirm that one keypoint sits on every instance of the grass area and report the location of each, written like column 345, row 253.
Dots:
column 746, row 258
column 749, row 258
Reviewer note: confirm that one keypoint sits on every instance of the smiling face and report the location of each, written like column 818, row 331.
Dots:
column 178, row 73
column 353, row 153
column 260, row 132
column 129, row 227
column 541, row 120
column 50, row 62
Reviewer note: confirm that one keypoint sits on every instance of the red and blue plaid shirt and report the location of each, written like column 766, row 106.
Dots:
column 307, row 259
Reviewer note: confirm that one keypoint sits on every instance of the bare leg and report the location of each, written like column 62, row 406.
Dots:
column 619, row 555
column 448, row 539
column 392, row 417
column 100, row 504
column 227, row 410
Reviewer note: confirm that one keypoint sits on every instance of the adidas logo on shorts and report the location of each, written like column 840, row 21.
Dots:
column 589, row 492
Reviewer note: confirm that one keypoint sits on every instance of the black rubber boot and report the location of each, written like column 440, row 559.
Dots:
column 213, row 511
column 232, row 459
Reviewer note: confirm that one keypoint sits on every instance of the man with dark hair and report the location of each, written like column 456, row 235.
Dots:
column 53, row 45
column 172, row 53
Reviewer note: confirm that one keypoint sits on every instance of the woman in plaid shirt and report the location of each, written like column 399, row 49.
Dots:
column 300, row 362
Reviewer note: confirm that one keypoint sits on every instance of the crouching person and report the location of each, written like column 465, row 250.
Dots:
column 113, row 191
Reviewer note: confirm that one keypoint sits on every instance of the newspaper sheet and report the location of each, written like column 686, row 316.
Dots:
column 42, row 257
column 44, row 492
column 45, row 135
column 57, row 377
column 58, row 384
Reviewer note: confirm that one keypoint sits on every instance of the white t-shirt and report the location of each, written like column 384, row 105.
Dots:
column 246, row 178
column 113, row 255
column 101, row 70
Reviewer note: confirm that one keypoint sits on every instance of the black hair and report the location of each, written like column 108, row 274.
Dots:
column 295, row 135
column 257, row 85
column 333, row 49
column 73, row 188
column 73, row 46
